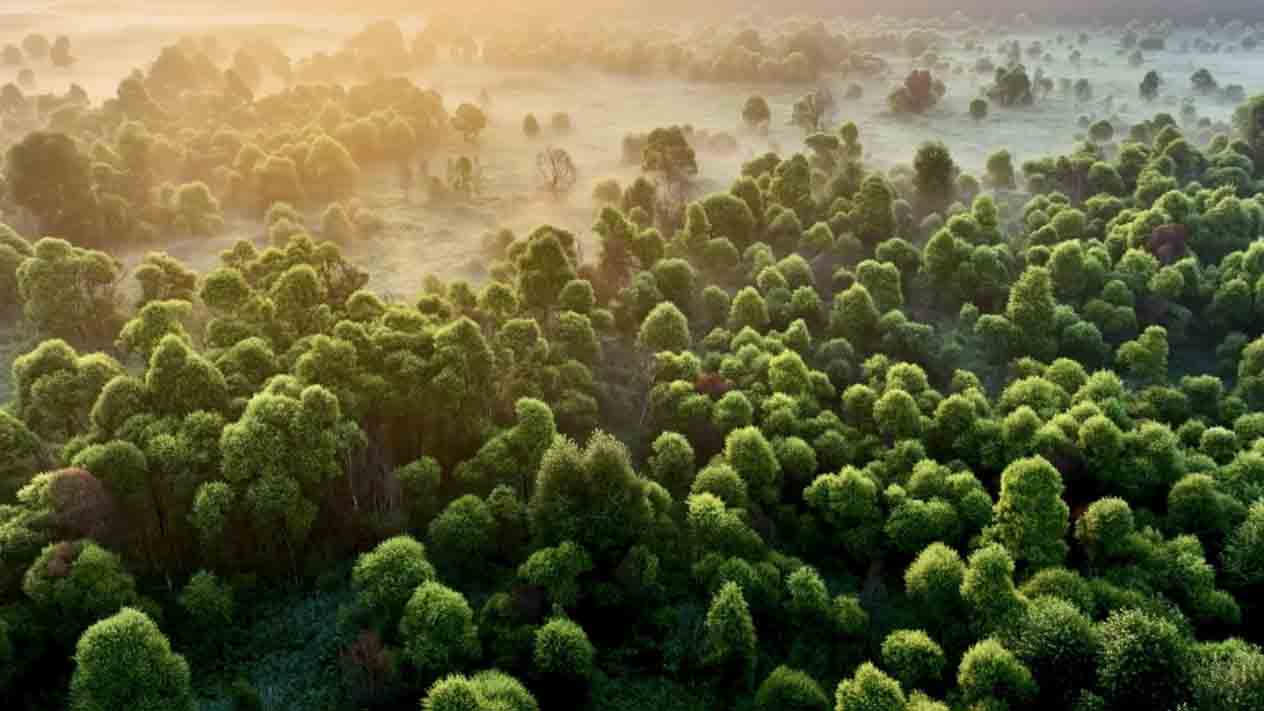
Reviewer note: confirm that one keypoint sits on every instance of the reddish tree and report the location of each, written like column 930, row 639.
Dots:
column 1168, row 242
column 712, row 384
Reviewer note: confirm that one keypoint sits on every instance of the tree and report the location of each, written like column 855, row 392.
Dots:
column 74, row 584
column 556, row 171
column 36, row 46
column 808, row 113
column 208, row 602
column 280, row 454
column 787, row 689
column 562, row 650
column 1143, row 661
column 668, row 153
column 874, row 218
column 490, row 689
column 60, row 53
column 1058, row 643
column 1031, row 308
column 469, row 120
column 590, row 496
column 1203, row 82
column 730, row 633
column 979, row 109
column 56, row 388
column 383, row 579
column 1244, row 550
column 1030, row 517
column 731, row 217
column 438, row 630
column 125, row 662
column 1000, row 171
column 935, row 177
column 913, row 657
column 990, row 672
column 918, row 94
column 756, row 113
column 672, row 465
column 1013, row 87
column 1150, row 85
column 464, row 535
column 68, row 291
column 1101, row 132
column 557, row 571
column 530, row 126
column 46, row 174
column 330, row 171
column 665, row 329
column 871, row 690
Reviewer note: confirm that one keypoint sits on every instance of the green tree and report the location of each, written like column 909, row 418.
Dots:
column 591, row 496
column 787, row 689
column 330, row 172
column 438, row 631
column 384, row 578
column 935, row 177
column 1143, row 661
column 756, row 114
column 990, row 672
column 69, row 292
column 668, row 153
column 47, row 174
column 125, row 662
column 869, row 690
column 73, row 584
column 730, row 633
column 1058, row 643
column 1031, row 309
column 562, row 650
column 665, row 329
column 913, row 657
column 1030, row 518
column 874, row 216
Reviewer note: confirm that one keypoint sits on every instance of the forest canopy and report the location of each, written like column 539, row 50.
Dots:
column 365, row 377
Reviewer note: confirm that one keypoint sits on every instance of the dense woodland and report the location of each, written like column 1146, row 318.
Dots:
column 840, row 437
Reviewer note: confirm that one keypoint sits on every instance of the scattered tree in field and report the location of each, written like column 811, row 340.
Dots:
column 469, row 120
column 918, row 94
column 668, row 154
column 978, row 109
column 809, row 112
column 1150, row 85
column 60, row 53
column 756, row 114
column 556, row 171
column 1203, row 82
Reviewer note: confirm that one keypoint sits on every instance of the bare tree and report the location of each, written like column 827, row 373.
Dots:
column 556, row 170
